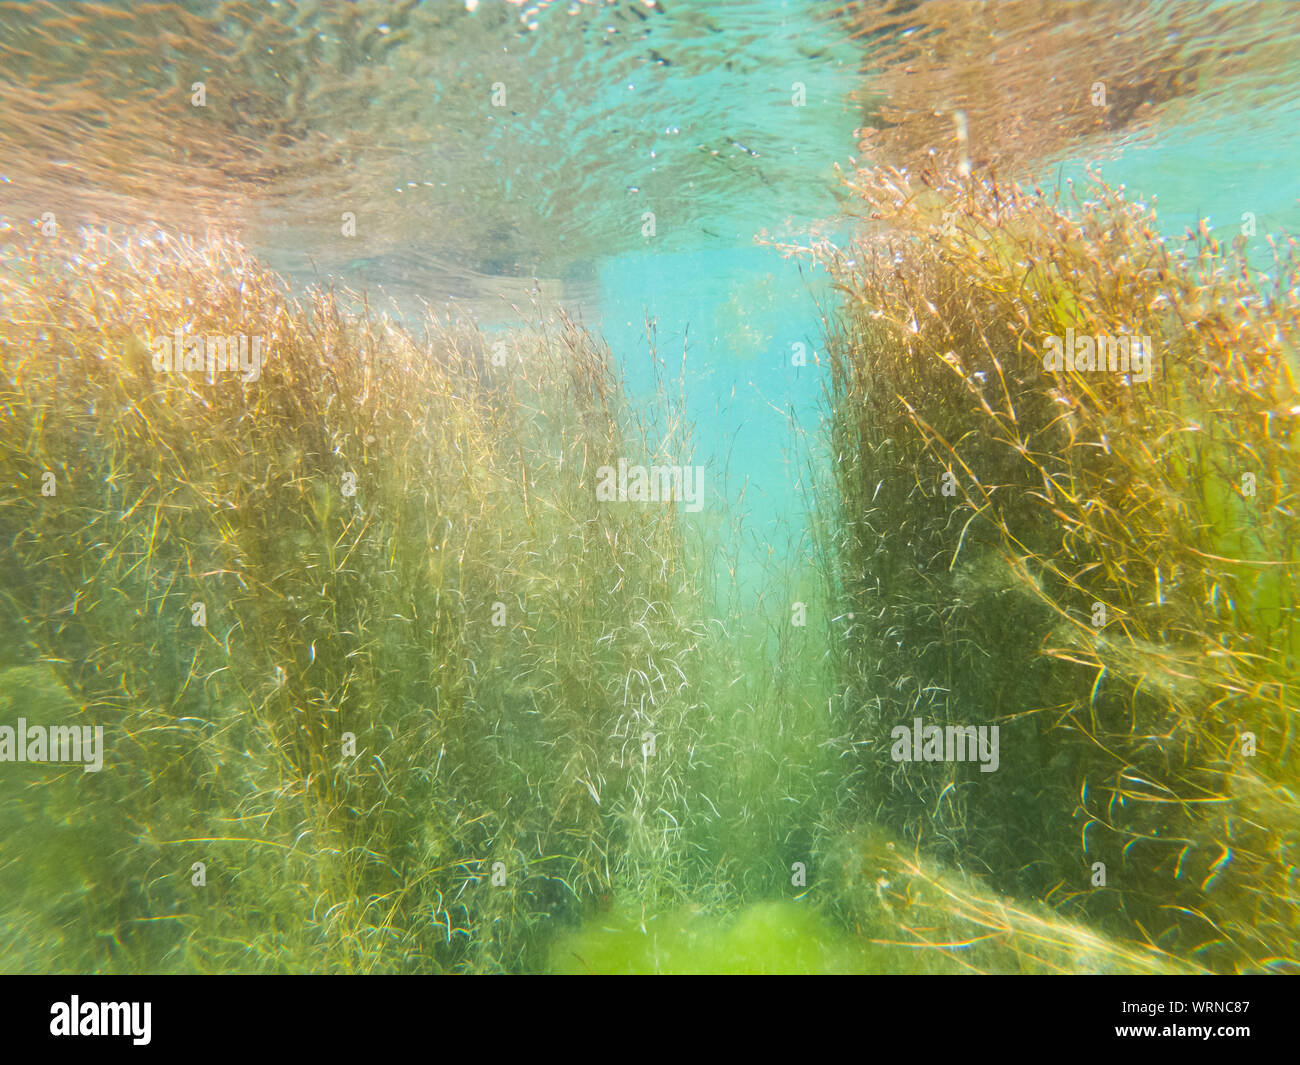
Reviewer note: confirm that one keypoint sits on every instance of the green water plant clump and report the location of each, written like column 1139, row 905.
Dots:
column 1095, row 554
column 764, row 938
column 884, row 909
column 375, row 669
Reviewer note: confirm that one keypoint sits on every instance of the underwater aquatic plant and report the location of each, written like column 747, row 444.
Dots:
column 372, row 660
column 947, row 921
column 886, row 911
column 364, row 639
column 764, row 938
column 1102, row 563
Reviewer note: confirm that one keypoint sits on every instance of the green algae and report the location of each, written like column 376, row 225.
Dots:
column 765, row 938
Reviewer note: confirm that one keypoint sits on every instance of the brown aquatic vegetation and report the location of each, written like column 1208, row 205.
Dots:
column 1103, row 566
column 950, row 82
column 354, row 522
column 608, row 741
column 241, row 118
column 950, row 922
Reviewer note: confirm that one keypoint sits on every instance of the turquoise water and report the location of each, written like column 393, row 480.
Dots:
column 647, row 167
